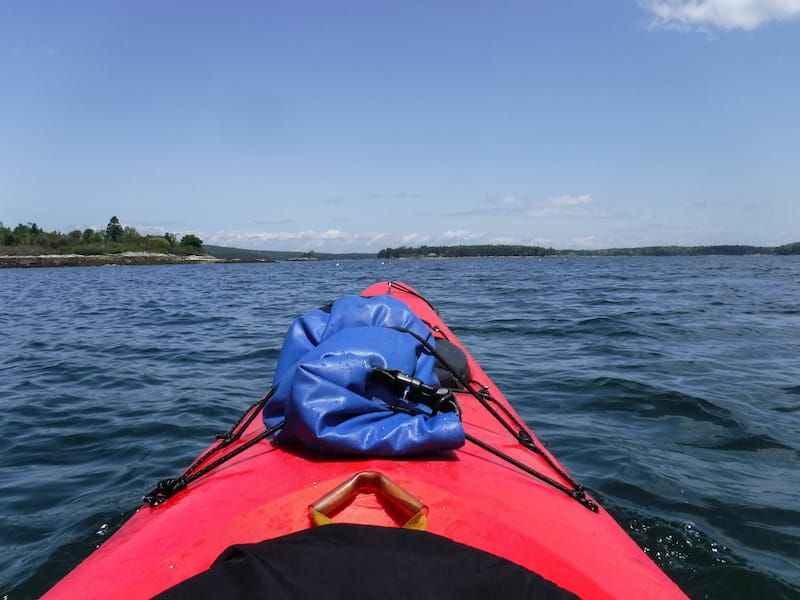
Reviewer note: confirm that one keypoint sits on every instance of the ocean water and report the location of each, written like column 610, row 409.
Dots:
column 670, row 387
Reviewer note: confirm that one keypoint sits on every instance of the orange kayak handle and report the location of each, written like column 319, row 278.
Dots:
column 384, row 488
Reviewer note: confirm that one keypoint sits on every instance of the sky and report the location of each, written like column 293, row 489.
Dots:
column 356, row 125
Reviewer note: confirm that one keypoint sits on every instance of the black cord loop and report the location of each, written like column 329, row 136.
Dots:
column 166, row 488
column 514, row 427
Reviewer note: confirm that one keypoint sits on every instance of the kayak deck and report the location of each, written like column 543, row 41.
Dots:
column 471, row 495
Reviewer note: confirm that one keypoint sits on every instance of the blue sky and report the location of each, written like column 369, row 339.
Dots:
column 356, row 125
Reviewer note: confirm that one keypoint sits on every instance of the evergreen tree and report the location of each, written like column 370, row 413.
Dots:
column 114, row 229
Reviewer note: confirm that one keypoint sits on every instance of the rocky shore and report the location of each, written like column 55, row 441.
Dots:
column 98, row 260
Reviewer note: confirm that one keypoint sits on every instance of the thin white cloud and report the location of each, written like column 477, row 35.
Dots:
column 392, row 196
column 565, row 205
column 571, row 200
column 462, row 235
column 329, row 234
column 263, row 223
column 585, row 242
column 261, row 237
column 369, row 240
column 333, row 240
column 558, row 206
column 445, row 238
column 719, row 14
column 504, row 240
column 414, row 238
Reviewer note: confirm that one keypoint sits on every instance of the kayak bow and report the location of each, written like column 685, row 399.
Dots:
column 501, row 493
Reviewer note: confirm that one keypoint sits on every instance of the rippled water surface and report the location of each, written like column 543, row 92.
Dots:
column 670, row 387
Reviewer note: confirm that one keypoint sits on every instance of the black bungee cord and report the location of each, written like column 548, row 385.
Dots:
column 573, row 490
column 166, row 488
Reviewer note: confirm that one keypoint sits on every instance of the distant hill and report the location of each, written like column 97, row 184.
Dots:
column 227, row 253
column 491, row 250
column 729, row 249
column 243, row 253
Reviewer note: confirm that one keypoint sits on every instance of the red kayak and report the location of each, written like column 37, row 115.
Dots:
column 501, row 493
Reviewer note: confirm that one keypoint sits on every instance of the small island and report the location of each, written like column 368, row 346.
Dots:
column 305, row 257
column 27, row 245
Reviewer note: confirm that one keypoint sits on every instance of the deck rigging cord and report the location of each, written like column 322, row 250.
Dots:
column 166, row 488
column 407, row 387
column 517, row 430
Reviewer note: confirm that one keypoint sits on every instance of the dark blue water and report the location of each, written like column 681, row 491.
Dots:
column 669, row 386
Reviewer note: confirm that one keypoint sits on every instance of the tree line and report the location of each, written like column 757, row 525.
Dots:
column 724, row 249
column 513, row 250
column 30, row 239
column 463, row 251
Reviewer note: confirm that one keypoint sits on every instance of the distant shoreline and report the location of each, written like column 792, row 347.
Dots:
column 498, row 251
column 126, row 258
column 225, row 255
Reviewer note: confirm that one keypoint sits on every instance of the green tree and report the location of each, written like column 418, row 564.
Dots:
column 192, row 241
column 114, row 229
column 793, row 248
column 6, row 235
column 155, row 243
column 129, row 234
column 23, row 234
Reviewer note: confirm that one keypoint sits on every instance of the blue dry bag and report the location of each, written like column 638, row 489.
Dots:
column 331, row 399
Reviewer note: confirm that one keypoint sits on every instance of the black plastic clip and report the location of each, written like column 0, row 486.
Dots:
column 412, row 389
